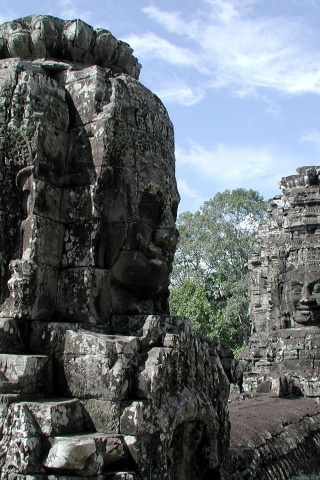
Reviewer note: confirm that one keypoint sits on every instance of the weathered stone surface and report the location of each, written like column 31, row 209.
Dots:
column 89, row 168
column 274, row 438
column 111, row 358
column 84, row 455
column 87, row 236
column 284, row 302
column 25, row 374
column 279, row 437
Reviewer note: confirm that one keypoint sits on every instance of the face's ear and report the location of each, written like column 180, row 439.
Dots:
column 23, row 176
column 106, row 177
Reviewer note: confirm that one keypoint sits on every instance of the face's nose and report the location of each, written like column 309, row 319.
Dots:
column 166, row 235
column 307, row 298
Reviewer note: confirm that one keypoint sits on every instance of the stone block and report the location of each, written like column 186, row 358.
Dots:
column 94, row 343
column 92, row 376
column 81, row 242
column 83, row 294
column 309, row 354
column 33, row 291
column 24, row 455
column 84, row 455
column 20, row 422
column 110, row 357
column 310, row 388
column 91, row 92
column 47, row 338
column 79, row 156
column 46, row 200
column 102, row 415
column 25, row 374
column 76, row 204
column 51, row 146
column 136, row 419
column 111, row 238
column 290, row 354
column 57, row 417
column 279, row 386
column 5, row 401
column 42, row 240
column 13, row 335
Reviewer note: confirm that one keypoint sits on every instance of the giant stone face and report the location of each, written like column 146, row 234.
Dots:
column 89, row 197
column 300, row 300
column 285, row 270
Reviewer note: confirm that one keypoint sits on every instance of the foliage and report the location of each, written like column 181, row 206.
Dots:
column 210, row 272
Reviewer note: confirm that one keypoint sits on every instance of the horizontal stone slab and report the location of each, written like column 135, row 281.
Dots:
column 25, row 374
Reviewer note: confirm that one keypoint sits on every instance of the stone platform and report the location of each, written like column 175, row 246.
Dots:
column 274, row 438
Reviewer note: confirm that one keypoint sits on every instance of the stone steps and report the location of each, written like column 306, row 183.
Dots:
column 49, row 436
column 51, row 417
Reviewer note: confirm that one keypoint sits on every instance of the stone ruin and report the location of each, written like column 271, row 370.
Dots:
column 284, row 351
column 275, row 421
column 96, row 379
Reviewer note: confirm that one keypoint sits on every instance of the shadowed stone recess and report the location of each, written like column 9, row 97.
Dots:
column 96, row 379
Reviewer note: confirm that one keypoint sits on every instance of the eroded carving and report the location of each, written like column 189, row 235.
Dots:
column 95, row 181
column 285, row 291
column 96, row 379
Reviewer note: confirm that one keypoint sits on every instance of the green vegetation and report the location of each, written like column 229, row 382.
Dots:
column 210, row 274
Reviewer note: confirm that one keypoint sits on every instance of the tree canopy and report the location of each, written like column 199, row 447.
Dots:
column 210, row 274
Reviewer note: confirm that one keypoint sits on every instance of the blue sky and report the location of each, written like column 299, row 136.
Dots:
column 240, row 79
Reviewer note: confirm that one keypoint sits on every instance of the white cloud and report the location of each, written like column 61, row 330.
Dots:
column 232, row 47
column 233, row 167
column 151, row 45
column 172, row 21
column 313, row 137
column 179, row 92
column 185, row 189
column 71, row 11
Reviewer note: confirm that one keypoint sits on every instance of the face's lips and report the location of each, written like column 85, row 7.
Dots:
column 304, row 309
column 153, row 251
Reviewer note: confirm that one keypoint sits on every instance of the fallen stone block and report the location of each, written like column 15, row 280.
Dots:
column 84, row 455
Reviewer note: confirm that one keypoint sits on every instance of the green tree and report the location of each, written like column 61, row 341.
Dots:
column 213, row 256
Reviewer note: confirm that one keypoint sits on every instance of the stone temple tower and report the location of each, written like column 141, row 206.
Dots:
column 285, row 290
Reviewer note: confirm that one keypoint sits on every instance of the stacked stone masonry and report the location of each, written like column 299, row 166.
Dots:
column 275, row 430
column 284, row 350
column 96, row 379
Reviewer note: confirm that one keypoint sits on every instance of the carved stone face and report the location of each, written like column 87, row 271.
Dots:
column 145, row 259
column 301, row 295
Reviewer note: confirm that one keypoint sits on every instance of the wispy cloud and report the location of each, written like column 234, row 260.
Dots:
column 150, row 44
column 313, row 137
column 7, row 15
column 185, row 189
column 232, row 167
column 70, row 9
column 232, row 46
column 179, row 92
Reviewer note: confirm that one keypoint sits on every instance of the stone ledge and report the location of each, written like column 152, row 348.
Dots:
column 274, row 438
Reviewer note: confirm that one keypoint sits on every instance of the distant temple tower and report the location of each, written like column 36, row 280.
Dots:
column 285, row 285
